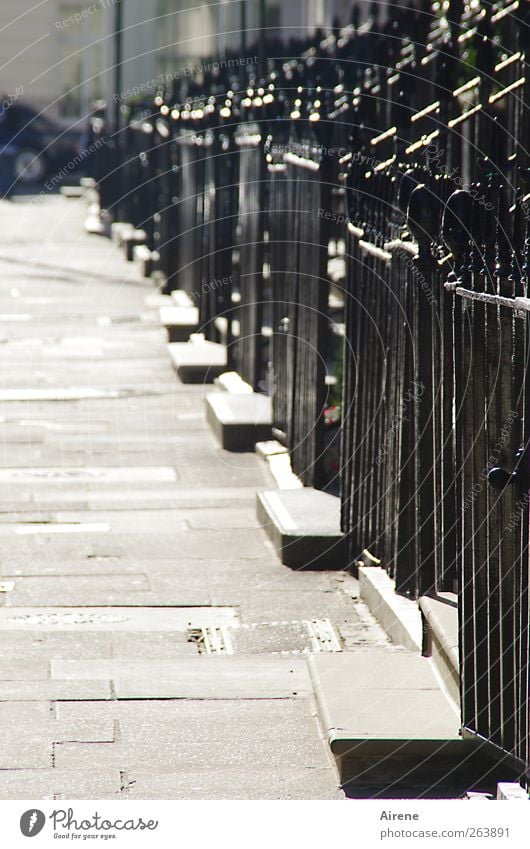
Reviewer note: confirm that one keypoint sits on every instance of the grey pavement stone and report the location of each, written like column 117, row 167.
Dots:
column 144, row 498
column 75, row 546
column 182, row 531
column 23, row 670
column 262, row 576
column 25, row 732
column 188, row 734
column 78, row 590
column 126, row 521
column 227, row 544
column 21, row 752
column 151, row 646
column 270, row 604
column 34, row 691
column 113, row 619
column 201, row 717
column 20, row 712
column 88, row 474
column 35, row 645
column 242, row 544
column 205, row 677
column 89, row 567
column 168, row 752
column 20, row 783
column 221, row 518
column 236, row 783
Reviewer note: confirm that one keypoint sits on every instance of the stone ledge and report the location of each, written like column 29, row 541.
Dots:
column 386, row 719
column 304, row 527
column 239, row 421
column 230, row 381
column 119, row 230
column 511, row 791
column 73, row 192
column 130, row 240
column 146, row 258
column 180, row 322
column 440, row 616
column 197, row 361
column 278, row 460
column 399, row 616
column 181, row 298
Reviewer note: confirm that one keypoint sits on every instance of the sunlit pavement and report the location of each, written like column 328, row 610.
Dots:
column 124, row 531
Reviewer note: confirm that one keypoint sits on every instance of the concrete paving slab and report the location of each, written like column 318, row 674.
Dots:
column 60, row 731
column 222, row 518
column 34, row 645
column 90, row 567
column 206, row 497
column 23, row 670
column 62, row 394
column 112, row 619
column 272, row 604
column 235, row 783
column 21, row 753
column 165, row 645
column 78, row 590
column 207, row 718
column 48, row 528
column 157, row 521
column 23, row 712
column 56, row 783
column 169, row 752
column 88, row 475
column 210, row 677
column 34, row 691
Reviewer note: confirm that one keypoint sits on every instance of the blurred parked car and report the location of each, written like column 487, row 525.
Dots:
column 42, row 146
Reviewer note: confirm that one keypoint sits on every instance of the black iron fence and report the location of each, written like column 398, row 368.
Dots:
column 408, row 144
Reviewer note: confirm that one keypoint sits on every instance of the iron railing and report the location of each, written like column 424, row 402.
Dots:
column 408, row 143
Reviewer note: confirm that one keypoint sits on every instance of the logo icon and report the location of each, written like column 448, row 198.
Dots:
column 32, row 822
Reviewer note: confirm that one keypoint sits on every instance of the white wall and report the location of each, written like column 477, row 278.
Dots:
column 47, row 55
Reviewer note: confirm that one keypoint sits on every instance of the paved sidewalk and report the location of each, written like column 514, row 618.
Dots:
column 117, row 511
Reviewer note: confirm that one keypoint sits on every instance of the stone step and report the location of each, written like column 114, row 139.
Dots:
column 73, row 192
column 130, row 240
column 94, row 224
column 231, row 382
column 119, row 230
column 399, row 616
column 440, row 638
column 197, row 361
column 304, row 527
column 181, row 298
column 180, row 322
column 239, row 421
column 388, row 722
